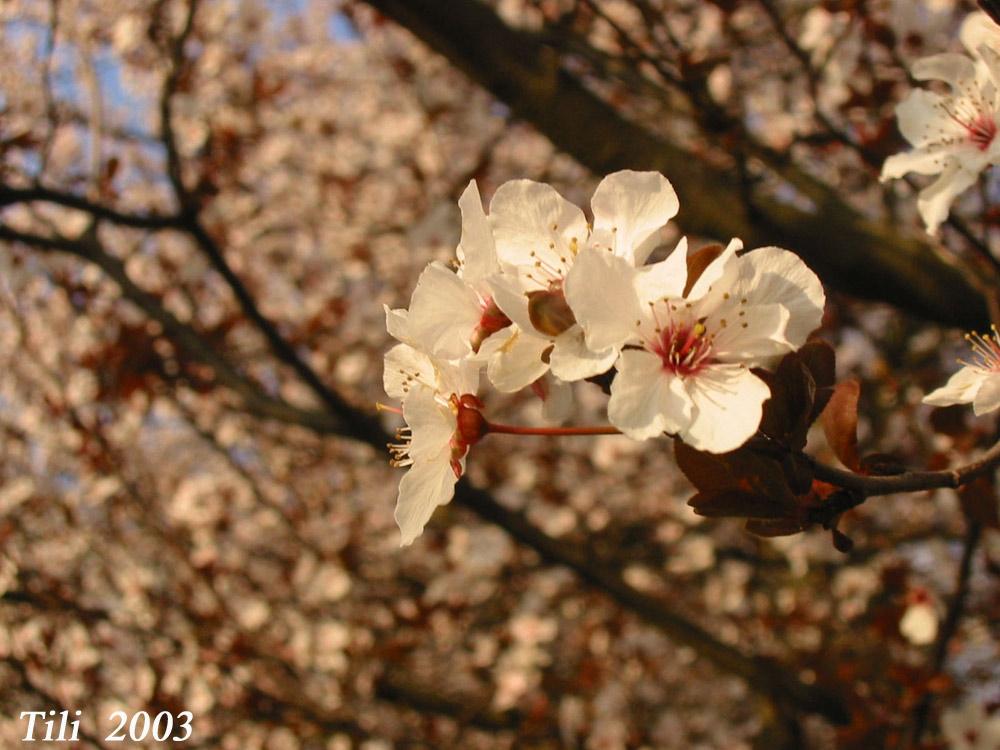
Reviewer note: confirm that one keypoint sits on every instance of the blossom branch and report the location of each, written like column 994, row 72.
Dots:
column 761, row 675
column 909, row 481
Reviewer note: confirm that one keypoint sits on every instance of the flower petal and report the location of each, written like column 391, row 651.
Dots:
column 423, row 488
column 475, row 251
column 600, row 289
column 712, row 276
column 949, row 67
column 558, row 403
column 432, row 424
column 444, row 312
column 922, row 160
column 759, row 343
column 397, row 323
column 780, row 277
column 988, row 397
column 934, row 201
column 664, row 279
column 511, row 299
column 404, row 368
column 728, row 404
column 923, row 119
column 961, row 388
column 532, row 223
column 629, row 207
column 645, row 400
column 571, row 359
column 516, row 359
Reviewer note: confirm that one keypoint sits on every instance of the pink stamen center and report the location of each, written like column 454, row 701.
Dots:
column 982, row 131
column 684, row 349
column 979, row 123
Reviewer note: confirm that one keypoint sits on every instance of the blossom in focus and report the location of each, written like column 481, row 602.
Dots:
column 452, row 312
column 442, row 421
column 970, row 728
column 978, row 382
column 686, row 366
column 953, row 134
column 538, row 236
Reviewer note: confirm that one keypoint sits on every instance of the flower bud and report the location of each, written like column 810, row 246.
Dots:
column 549, row 312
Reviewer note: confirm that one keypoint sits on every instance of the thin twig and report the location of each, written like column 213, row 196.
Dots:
column 948, row 628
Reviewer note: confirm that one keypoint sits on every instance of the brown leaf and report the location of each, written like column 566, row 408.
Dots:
column 698, row 261
column 840, row 422
column 979, row 501
column 706, row 471
column 739, row 504
column 787, row 413
column 819, row 358
column 743, row 469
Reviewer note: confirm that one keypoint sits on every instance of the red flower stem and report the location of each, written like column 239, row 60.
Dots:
column 511, row 429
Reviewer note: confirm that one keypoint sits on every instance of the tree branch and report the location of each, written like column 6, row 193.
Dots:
column 910, row 481
column 949, row 627
column 520, row 69
column 257, row 402
column 11, row 195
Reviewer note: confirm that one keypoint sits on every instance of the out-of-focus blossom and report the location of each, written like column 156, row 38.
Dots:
column 919, row 623
column 970, row 728
column 978, row 382
column 689, row 373
column 953, row 134
column 539, row 235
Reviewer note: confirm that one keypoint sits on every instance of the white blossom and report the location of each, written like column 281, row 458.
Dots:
column 538, row 236
column 970, row 728
column 978, row 382
column 687, row 369
column 436, row 396
column 953, row 134
column 452, row 312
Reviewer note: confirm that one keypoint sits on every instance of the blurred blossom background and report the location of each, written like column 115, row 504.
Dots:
column 204, row 206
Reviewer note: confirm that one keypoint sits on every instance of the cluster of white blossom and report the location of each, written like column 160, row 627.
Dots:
column 541, row 298
column 953, row 134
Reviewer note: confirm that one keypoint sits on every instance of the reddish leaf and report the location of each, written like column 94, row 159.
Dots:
column 798, row 473
column 979, row 501
column 818, row 357
column 739, row 504
column 698, row 261
column 840, row 422
column 706, row 471
column 743, row 470
column 787, row 413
